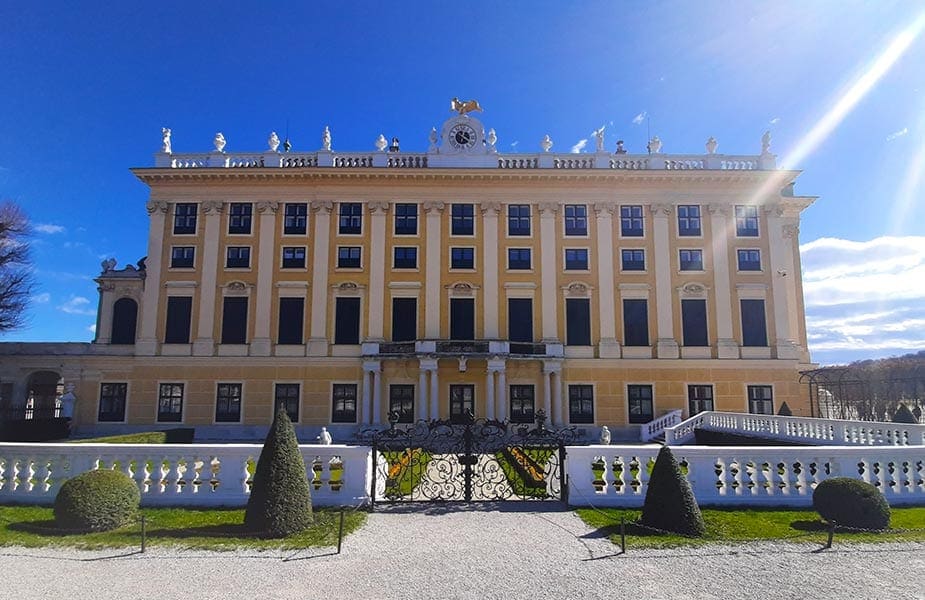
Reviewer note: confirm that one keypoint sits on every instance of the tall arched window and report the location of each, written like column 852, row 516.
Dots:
column 124, row 320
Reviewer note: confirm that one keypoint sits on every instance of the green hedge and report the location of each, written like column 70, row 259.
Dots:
column 851, row 503
column 96, row 501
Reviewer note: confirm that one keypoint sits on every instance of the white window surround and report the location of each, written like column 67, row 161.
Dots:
column 128, row 391
column 273, row 406
column 157, row 397
column 240, row 420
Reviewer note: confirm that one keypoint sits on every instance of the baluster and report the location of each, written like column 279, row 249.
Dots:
column 644, row 466
column 748, row 477
column 797, row 482
column 619, row 475
column 24, row 474
column 189, row 477
column 140, row 476
column 8, row 475
column 325, row 475
column 159, row 475
column 42, row 473
column 767, row 476
column 173, row 483
column 736, row 469
column 245, row 475
column 607, row 477
column 892, row 478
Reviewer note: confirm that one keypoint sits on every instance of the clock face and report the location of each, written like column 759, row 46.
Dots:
column 462, row 137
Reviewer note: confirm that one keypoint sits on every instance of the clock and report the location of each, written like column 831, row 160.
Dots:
column 462, row 136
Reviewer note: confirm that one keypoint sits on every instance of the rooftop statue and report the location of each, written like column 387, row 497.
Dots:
column 219, row 142
column 766, row 143
column 546, row 143
column 599, row 135
column 273, row 141
column 108, row 265
column 381, row 143
column 465, row 107
column 326, row 139
column 165, row 144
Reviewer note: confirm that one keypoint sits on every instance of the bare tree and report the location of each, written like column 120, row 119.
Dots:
column 16, row 278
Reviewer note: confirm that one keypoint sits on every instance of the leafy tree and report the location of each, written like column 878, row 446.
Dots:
column 16, row 279
column 280, row 502
column 670, row 503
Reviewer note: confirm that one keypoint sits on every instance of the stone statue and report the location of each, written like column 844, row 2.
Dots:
column 599, row 135
column 711, row 145
column 766, row 143
column 324, row 438
column 273, row 141
column 219, row 142
column 655, row 145
column 287, row 145
column 68, row 401
column 165, row 143
column 433, row 136
column 108, row 265
column 465, row 107
column 394, row 147
column 620, row 148
column 381, row 143
column 605, row 436
column 492, row 138
column 546, row 144
column 326, row 139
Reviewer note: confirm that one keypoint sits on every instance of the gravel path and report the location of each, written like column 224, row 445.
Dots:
column 482, row 551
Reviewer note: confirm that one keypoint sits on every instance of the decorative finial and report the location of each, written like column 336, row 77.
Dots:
column 381, row 143
column 492, row 139
column 546, row 144
column 655, row 145
column 326, row 139
column 711, row 145
column 766, row 143
column 165, row 143
column 219, row 142
column 273, row 141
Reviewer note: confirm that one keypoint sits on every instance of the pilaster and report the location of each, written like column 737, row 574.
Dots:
column 434, row 212
column 147, row 339
column 489, row 257
column 266, row 257
column 318, row 335
column 548, row 255
column 786, row 347
column 609, row 346
column 377, row 262
column 726, row 345
column 667, row 345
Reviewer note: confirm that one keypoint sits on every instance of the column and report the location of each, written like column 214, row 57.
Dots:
column 365, row 406
column 547, row 393
column 266, row 257
column 495, row 394
column 777, row 245
column 147, row 339
column 502, row 394
column 791, row 233
column 104, row 312
column 318, row 336
column 549, row 251
column 557, row 411
column 377, row 261
column 421, row 407
column 371, row 369
column 490, row 394
column 429, row 365
column 609, row 346
column 204, row 343
column 377, row 395
column 726, row 345
column 432, row 270
column 489, row 259
column 664, row 300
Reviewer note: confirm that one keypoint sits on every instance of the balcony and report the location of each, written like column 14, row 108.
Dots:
column 457, row 348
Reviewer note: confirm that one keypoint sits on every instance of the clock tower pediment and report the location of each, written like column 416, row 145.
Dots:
column 462, row 134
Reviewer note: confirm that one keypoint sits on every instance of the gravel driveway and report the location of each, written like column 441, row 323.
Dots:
column 483, row 551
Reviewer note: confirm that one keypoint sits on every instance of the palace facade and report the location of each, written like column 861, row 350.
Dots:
column 604, row 288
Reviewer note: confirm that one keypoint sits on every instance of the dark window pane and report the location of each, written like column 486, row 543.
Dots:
column 577, row 322
column 401, row 401
column 348, row 257
column 580, row 404
column 239, row 217
column 689, row 220
column 347, row 321
column 636, row 322
column 406, row 219
column 112, row 401
column 631, row 221
column 640, row 403
column 749, row 260
column 760, row 400
column 238, row 257
column 633, row 260
column 462, row 258
column 576, row 219
column 182, row 257
column 228, row 403
column 179, row 309
column 124, row 321
column 576, row 259
column 294, row 257
column 404, row 319
column 754, row 325
column 296, row 218
column 694, row 322
column 344, row 398
column 291, row 320
column 234, row 320
column 691, row 260
column 287, row 396
column 350, row 218
column 699, row 398
column 462, row 319
column 518, row 219
column 170, row 402
column 462, row 402
column 746, row 221
column 522, row 403
column 462, row 219
column 184, row 218
column 406, row 258
column 520, row 319
column 518, row 259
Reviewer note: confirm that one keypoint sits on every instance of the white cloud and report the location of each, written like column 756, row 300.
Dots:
column 77, row 305
column 579, row 146
column 897, row 134
column 92, row 329
column 48, row 228
column 43, row 298
column 638, row 119
column 774, row 121
column 514, row 143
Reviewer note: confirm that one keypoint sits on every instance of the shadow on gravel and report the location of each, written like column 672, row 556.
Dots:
column 444, row 508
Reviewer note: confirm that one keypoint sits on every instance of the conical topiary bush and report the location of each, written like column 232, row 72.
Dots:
column 670, row 503
column 784, row 410
column 280, row 503
column 904, row 415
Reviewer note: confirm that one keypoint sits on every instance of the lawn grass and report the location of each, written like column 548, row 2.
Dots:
column 727, row 525
column 211, row 529
column 148, row 437
column 405, row 471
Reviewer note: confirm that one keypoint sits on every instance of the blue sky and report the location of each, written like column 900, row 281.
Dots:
column 85, row 89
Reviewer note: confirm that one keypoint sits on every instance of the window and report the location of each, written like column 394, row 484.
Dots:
column 631, row 221
column 580, row 404
column 746, row 221
column 633, row 260
column 577, row 322
column 239, row 217
column 179, row 309
column 635, row 322
column 181, row 257
column 639, row 401
column 694, row 322
column 462, row 258
column 348, row 257
column 754, row 326
column 112, row 401
column 184, row 218
column 760, row 400
column 344, row 397
column 347, row 321
column 294, row 257
column 749, row 260
column 401, row 401
column 234, row 320
column 462, row 402
column 124, row 321
column 521, row 404
column 576, row 219
column 228, row 403
column 238, row 257
column 406, row 258
column 518, row 219
column 518, row 259
column 699, row 398
column 576, row 259
column 462, row 220
column 691, row 260
column 291, row 320
column 170, row 403
column 689, row 220
column 462, row 319
column 520, row 319
column 404, row 319
column 350, row 221
column 406, row 219
column 286, row 396
column 295, row 219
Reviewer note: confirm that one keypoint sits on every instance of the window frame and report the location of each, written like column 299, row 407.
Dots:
column 628, row 219
column 341, row 259
column 515, row 222
column 219, row 414
column 406, row 404
column 408, row 262
column 690, row 265
column 454, row 266
column 343, row 414
column 122, row 398
column 188, row 318
column 740, row 263
column 240, row 218
column 296, row 223
column 170, row 398
column 577, row 264
column 624, row 264
column 644, row 327
column 294, row 262
column 462, row 221
column 282, row 340
column 188, row 262
column 639, row 401
column 575, row 335
column 353, row 340
column 460, row 416
column 691, row 389
column 579, row 222
column 409, row 222
column 185, row 229
column 751, row 399
column 743, row 216
column 749, row 336
column 350, row 218
column 523, row 414
column 688, row 219
column 580, row 416
column 239, row 250
column 277, row 386
column 513, row 265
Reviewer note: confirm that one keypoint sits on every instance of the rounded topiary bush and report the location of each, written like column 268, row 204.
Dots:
column 96, row 501
column 670, row 503
column 851, row 503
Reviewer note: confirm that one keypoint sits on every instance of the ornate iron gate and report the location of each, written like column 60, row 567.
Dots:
column 478, row 460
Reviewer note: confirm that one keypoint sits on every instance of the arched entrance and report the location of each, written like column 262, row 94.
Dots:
column 42, row 393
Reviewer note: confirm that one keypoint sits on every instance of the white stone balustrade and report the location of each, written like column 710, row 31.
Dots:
column 179, row 474
column 608, row 476
column 801, row 430
column 657, row 427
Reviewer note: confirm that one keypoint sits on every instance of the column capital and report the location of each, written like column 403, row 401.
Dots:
column 322, row 206
column 548, row 209
column 269, row 207
column 378, row 207
column 661, row 211
column 790, row 230
column 433, row 206
column 604, row 209
column 552, row 366
column 490, row 209
column 154, row 206
column 773, row 209
column 722, row 210
column 372, row 366
column 210, row 207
